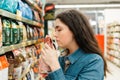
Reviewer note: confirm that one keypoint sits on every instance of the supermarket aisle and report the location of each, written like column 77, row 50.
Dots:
column 115, row 72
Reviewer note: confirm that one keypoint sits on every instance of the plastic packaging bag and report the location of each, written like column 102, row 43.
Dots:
column 25, row 9
column 9, row 5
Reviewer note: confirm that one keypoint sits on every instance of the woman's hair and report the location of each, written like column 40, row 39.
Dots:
column 82, row 31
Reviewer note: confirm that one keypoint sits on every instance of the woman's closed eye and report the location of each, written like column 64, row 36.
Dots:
column 59, row 30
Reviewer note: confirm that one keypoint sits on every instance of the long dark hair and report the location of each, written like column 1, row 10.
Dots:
column 82, row 31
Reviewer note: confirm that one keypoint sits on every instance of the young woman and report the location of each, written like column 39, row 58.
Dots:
column 83, row 59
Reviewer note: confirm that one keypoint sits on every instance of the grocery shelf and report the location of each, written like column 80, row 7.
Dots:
column 113, row 62
column 113, row 24
column 113, row 49
column 116, row 31
column 34, row 5
column 113, row 43
column 15, row 17
column 114, row 56
column 27, row 70
column 113, row 37
column 16, row 46
column 38, row 78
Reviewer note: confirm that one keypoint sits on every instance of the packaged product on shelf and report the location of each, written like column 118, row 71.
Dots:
column 25, row 62
column 38, row 51
column 1, row 3
column 25, row 10
column 3, row 68
column 28, row 32
column 14, row 32
column 10, row 58
column 23, row 52
column 31, row 33
column 19, row 64
column 43, row 2
column 23, row 32
column 41, row 32
column 36, row 16
column 118, row 28
column 28, row 76
column 35, row 33
column 9, row 5
column 38, row 30
column 24, row 78
column 24, row 65
column 18, row 56
column 28, row 52
column 34, row 53
column 36, row 69
column 0, row 32
column 32, row 74
column 6, row 32
column 19, row 33
column 17, row 72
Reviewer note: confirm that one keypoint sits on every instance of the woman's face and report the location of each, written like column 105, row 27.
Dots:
column 63, row 35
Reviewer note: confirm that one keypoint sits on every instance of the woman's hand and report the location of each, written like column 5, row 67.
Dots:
column 50, row 57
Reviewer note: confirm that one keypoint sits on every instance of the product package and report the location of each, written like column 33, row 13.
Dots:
column 0, row 33
column 9, row 5
column 48, row 40
column 14, row 33
column 25, row 10
column 6, row 32
column 43, row 67
column 4, row 68
column 23, row 33
column 36, row 16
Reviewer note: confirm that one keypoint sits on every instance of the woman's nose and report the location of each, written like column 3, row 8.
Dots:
column 54, row 34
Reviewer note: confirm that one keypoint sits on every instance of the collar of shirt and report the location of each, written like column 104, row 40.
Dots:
column 74, row 56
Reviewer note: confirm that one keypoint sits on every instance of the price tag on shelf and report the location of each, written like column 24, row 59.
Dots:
column 19, row 15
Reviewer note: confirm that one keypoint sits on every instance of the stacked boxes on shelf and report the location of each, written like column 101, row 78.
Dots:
column 113, row 43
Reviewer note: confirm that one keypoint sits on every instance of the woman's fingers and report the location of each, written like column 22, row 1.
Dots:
column 43, row 51
column 47, row 46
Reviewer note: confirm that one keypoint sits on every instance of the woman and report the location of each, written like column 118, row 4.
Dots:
column 83, row 59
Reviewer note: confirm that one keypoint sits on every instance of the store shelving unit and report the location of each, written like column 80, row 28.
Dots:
column 16, row 46
column 16, row 17
column 113, row 43
column 22, row 44
column 34, row 5
column 28, row 69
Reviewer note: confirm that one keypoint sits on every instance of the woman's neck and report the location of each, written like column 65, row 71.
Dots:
column 72, row 50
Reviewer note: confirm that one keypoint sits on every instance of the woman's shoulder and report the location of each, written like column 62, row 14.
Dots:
column 93, row 58
column 90, row 57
